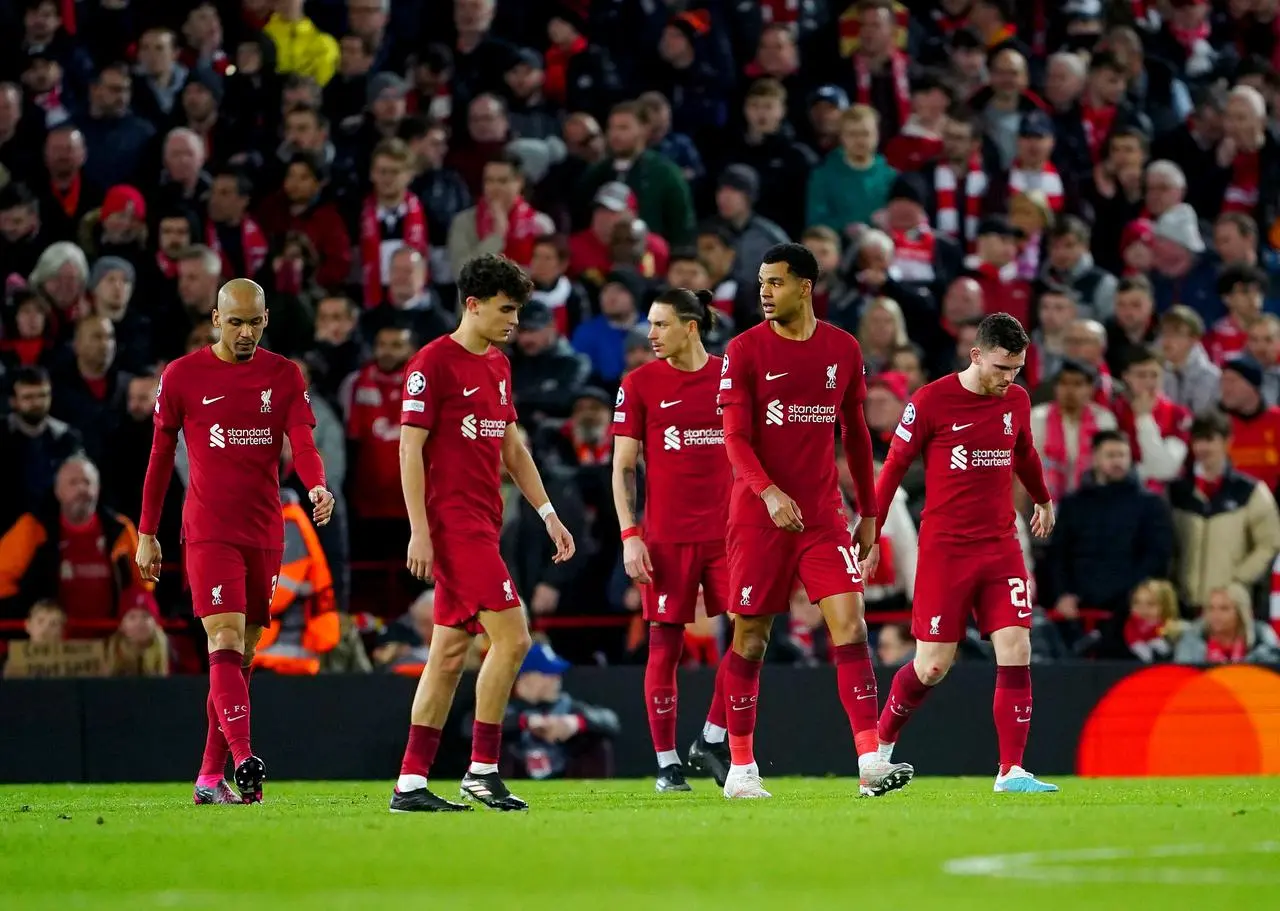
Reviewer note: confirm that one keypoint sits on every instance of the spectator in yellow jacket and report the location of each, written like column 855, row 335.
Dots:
column 300, row 46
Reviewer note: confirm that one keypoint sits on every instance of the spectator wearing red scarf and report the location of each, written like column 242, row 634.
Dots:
column 579, row 75
column 1158, row 429
column 297, row 206
column 919, row 142
column 392, row 217
column 1247, row 164
column 881, row 72
column 1083, row 131
column 503, row 222
column 994, row 268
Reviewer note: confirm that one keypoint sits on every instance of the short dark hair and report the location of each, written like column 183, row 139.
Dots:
column 1103, row 437
column 1135, row 283
column 1106, row 60
column 244, row 183
column 799, row 259
column 557, row 242
column 1142, row 354
column 34, row 375
column 413, row 127
column 313, row 162
column 1211, row 425
column 18, row 194
column 716, row 228
column 508, row 158
column 1243, row 222
column 691, row 306
column 322, row 121
column 1000, row 330
column 1071, row 226
column 492, row 274
column 399, row 322
column 1129, row 131
column 1241, row 274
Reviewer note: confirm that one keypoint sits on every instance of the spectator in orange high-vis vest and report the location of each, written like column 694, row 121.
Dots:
column 306, row 585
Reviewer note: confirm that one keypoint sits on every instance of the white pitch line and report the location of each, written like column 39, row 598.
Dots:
column 1073, row 866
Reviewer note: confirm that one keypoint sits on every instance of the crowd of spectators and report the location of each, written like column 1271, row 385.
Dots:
column 1108, row 172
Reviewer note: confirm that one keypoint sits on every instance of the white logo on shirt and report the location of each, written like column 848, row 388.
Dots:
column 622, row 397
column 773, row 413
column 274, row 580
column 909, row 415
column 217, row 595
column 724, row 366
column 467, row 393
column 831, row 376
column 958, row 427
column 1008, row 423
column 746, row 596
column 662, row 604
column 777, row 414
column 266, row 401
column 159, row 386
column 502, row 392
column 959, row 458
column 770, row 377
column 217, row 438
column 209, row 401
column 473, row 428
column 469, row 427
column 670, row 404
column 671, row 438
column 415, row 383
column 934, row 622
column 507, row 592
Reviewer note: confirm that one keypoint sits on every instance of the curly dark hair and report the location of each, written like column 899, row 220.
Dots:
column 1000, row 330
column 493, row 274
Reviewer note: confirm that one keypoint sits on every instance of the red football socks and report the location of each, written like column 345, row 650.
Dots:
column 716, row 713
column 486, row 742
column 420, row 752
column 742, row 692
column 216, row 752
column 856, row 680
column 229, row 690
column 666, row 643
column 905, row 696
column 1011, row 709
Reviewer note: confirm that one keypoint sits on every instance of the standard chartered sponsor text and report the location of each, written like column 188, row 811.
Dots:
column 249, row 436
column 990, row 458
column 811, row 414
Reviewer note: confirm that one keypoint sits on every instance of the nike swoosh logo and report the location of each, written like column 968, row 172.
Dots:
column 774, row 376
column 665, row 711
column 237, row 718
column 470, row 392
column 871, row 696
column 210, row 401
column 1026, row 720
column 960, row 426
column 1022, row 615
column 669, row 404
column 742, row 708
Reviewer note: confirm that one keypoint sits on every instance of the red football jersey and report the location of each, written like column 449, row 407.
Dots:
column 464, row 402
column 234, row 418
column 971, row 445
column 373, row 426
column 794, row 393
column 674, row 415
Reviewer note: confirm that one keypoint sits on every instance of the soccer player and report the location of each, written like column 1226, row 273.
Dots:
column 974, row 430
column 667, row 410
column 458, row 428
column 234, row 404
column 785, row 384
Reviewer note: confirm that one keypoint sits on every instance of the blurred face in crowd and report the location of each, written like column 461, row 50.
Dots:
column 226, row 203
column 300, row 184
column 353, row 59
column 64, row 153
column 626, row 135
column 957, row 142
column 546, row 266
column 824, row 117
column 533, row 342
column 111, row 296
column 392, row 349
column 432, row 149
column 367, row 18
column 1144, row 378
column 138, row 627
column 1133, row 311
column 1244, row 302
column 175, row 235
column 41, row 22
column 1112, row 461
column 997, row 249
column 1057, row 312
column 1034, row 151
column 487, row 120
column 879, row 328
column 198, row 102
column 31, row 318
column 1242, row 121
column 907, row 362
column 1171, row 258
column 202, row 336
column 407, row 276
column 764, row 114
column 1009, row 74
column 248, row 58
column 1026, row 215
column 42, row 75
column 1176, row 344
column 963, row 301
column 716, row 254
column 302, row 132
column 156, row 52
column 1145, row 604
column 45, row 624
column 687, row 273
column 893, row 646
column 1063, row 83
column 31, row 402
column 884, row 409
column 112, row 94
column 859, row 138
column 1107, row 86
column 876, row 32
column 930, row 106
column 732, row 204
column 66, row 287
column 616, row 301
column 203, row 28
column 1264, row 342
column 525, row 81
column 334, row 320
column 95, row 344
column 776, row 53
column 390, row 178
column 1163, row 193
column 590, row 418
column 18, row 222
column 1221, row 619
column 1232, row 244
column 502, row 185
column 76, row 488
column 306, row 95
column 183, row 158
column 1072, row 391
column 1065, row 252
column 826, row 253
column 142, row 397
column 1126, row 154
column 1085, row 342
column 196, row 286
column 970, row 63
column 1210, row 454
column 10, row 108
column 905, row 215
column 389, row 107
column 674, row 47
column 604, row 220
column 1238, row 394
column 471, row 16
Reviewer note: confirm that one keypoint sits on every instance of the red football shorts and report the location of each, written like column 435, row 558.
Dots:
column 470, row 577
column 678, row 570
column 989, row 582
column 230, row 579
column 765, row 562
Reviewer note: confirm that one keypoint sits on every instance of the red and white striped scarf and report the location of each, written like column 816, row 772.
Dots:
column 1047, row 180
column 945, row 187
column 1242, row 193
column 913, row 253
column 1097, row 127
column 253, row 245
column 901, row 83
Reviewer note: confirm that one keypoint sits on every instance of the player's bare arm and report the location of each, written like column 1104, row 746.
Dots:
column 149, row 557
column 523, row 470
column 635, row 555
column 1042, row 519
column 413, row 481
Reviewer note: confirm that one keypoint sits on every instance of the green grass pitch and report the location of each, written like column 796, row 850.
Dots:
column 949, row 844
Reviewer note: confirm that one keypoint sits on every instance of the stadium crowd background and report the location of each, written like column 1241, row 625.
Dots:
column 1107, row 172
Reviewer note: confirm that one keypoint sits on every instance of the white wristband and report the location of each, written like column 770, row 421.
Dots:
column 546, row 509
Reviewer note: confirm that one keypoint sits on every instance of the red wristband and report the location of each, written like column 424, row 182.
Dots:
column 632, row 532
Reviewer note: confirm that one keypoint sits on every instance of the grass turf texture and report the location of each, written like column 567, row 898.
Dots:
column 617, row 845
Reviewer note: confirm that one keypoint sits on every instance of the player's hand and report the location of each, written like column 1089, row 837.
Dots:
column 782, row 509
column 869, row 561
column 565, row 547
column 421, row 558
column 1068, row 607
column 545, row 600
column 149, row 557
column 865, row 536
column 635, row 560
column 322, row 506
column 1042, row 520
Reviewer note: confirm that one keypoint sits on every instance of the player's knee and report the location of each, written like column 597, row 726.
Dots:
column 1014, row 650
column 932, row 672
column 226, row 637
column 515, row 645
column 452, row 664
column 751, row 645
